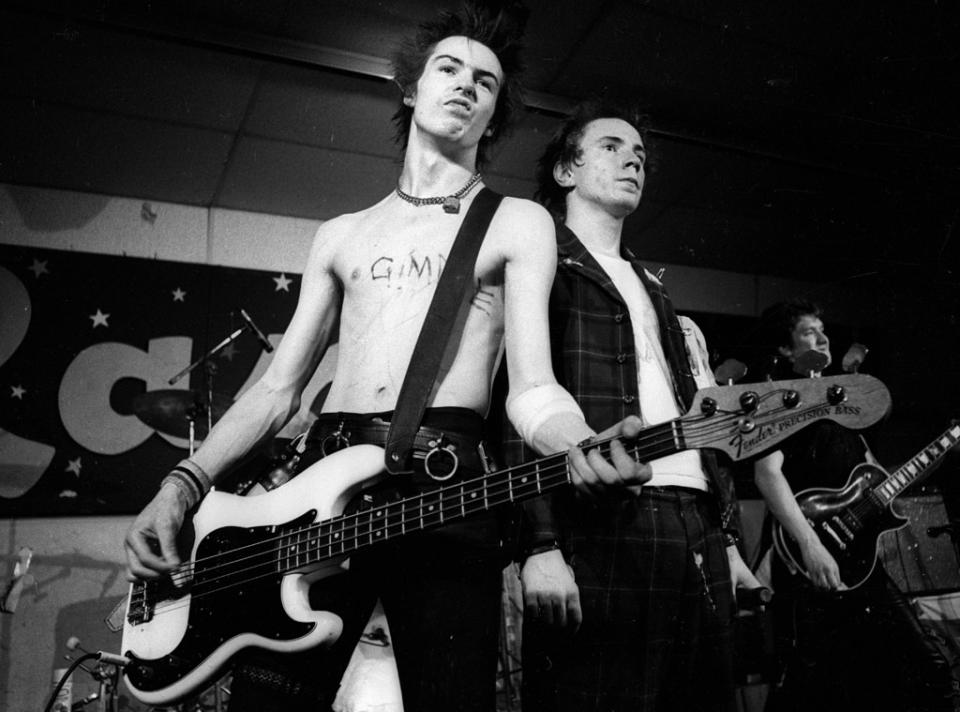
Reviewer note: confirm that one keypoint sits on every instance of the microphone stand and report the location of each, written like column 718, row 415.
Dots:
column 210, row 369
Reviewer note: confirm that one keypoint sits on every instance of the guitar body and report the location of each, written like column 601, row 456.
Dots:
column 179, row 641
column 848, row 521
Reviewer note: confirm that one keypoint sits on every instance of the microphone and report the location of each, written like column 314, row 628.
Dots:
column 264, row 342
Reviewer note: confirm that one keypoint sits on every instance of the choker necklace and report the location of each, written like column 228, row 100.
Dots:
column 451, row 203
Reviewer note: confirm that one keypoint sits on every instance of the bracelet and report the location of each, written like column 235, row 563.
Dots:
column 190, row 479
column 189, row 493
column 731, row 537
column 541, row 548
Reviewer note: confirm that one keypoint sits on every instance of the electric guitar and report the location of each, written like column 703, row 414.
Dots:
column 254, row 559
column 850, row 520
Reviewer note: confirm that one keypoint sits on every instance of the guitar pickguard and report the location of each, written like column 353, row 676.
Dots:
column 223, row 611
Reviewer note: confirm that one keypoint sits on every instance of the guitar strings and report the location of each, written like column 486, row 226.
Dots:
column 348, row 544
column 500, row 489
column 503, row 478
column 900, row 479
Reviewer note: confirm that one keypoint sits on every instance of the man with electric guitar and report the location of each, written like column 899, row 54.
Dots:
column 371, row 276
column 845, row 636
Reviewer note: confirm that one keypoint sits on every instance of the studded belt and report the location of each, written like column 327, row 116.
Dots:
column 438, row 452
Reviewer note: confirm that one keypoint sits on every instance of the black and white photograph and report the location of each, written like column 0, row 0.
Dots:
column 479, row 356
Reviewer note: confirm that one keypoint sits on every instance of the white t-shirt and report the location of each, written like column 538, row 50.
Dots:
column 654, row 381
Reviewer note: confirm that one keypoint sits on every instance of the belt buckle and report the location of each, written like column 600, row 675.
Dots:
column 441, row 447
column 337, row 438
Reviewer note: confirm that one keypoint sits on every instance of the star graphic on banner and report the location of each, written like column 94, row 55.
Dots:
column 179, row 295
column 39, row 267
column 17, row 392
column 229, row 351
column 282, row 282
column 74, row 466
column 99, row 318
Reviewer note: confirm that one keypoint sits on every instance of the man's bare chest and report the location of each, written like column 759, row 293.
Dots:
column 405, row 263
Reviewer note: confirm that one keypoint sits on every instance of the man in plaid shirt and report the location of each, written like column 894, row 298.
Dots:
column 629, row 592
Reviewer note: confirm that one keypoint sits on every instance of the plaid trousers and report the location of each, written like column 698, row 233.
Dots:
column 657, row 611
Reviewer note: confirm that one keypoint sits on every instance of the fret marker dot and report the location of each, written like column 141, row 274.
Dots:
column 523, row 480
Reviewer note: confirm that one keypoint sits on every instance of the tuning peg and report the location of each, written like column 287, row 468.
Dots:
column 749, row 401
column 810, row 362
column 708, row 406
column 854, row 357
column 836, row 394
column 730, row 371
column 791, row 398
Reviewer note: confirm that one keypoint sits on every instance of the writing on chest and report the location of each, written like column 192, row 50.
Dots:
column 413, row 269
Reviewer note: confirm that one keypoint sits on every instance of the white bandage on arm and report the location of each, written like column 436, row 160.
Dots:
column 530, row 410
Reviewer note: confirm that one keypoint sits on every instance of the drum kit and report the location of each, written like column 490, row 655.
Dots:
column 191, row 415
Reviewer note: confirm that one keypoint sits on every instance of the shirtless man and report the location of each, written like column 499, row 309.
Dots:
column 459, row 83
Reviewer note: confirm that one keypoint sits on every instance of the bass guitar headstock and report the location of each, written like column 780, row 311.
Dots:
column 748, row 419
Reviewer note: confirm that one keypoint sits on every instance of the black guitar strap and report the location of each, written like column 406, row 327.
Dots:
column 456, row 278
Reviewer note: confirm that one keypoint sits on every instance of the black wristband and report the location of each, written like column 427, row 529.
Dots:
column 541, row 548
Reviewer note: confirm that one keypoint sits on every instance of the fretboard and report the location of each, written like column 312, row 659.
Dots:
column 917, row 466
column 435, row 508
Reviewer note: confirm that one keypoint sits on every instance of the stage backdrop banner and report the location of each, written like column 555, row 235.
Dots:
column 82, row 336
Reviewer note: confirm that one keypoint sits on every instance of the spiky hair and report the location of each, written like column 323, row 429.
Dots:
column 498, row 26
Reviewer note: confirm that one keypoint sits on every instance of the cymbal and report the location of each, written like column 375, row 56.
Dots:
column 169, row 410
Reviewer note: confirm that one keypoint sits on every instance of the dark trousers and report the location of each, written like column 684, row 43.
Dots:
column 657, row 612
column 441, row 595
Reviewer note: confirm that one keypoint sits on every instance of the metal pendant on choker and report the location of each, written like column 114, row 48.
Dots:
column 450, row 203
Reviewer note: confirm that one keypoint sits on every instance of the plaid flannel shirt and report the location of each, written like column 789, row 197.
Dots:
column 594, row 358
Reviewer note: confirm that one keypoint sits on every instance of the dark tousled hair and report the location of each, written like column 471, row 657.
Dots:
column 496, row 24
column 778, row 320
column 564, row 148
